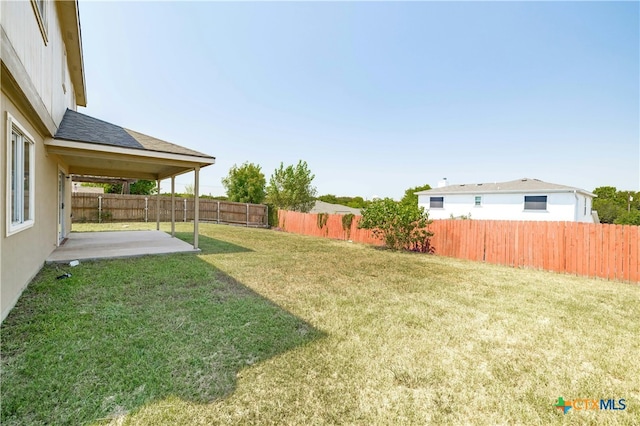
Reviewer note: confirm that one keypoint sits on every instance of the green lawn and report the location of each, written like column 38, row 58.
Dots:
column 272, row 328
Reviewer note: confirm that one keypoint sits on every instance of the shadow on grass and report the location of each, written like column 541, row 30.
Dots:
column 121, row 334
column 210, row 245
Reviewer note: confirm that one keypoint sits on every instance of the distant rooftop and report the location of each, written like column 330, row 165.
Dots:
column 322, row 207
column 518, row 185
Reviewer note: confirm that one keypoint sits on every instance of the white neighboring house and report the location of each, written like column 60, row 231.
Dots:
column 522, row 199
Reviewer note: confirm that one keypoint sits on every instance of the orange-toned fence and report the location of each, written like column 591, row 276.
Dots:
column 593, row 250
column 307, row 224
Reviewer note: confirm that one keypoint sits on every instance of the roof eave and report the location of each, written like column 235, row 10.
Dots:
column 60, row 145
column 508, row 191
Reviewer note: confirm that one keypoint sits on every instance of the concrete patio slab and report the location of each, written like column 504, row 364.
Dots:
column 116, row 244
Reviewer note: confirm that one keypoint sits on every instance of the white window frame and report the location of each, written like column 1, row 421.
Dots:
column 439, row 199
column 536, row 209
column 22, row 223
column 40, row 10
column 585, row 206
column 477, row 200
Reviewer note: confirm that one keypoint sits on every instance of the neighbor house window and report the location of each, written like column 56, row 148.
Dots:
column 436, row 202
column 20, row 177
column 535, row 202
column 585, row 207
column 478, row 200
column 40, row 9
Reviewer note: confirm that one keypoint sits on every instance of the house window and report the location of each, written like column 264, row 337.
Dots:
column 478, row 200
column 40, row 9
column 20, row 178
column 535, row 202
column 585, row 207
column 436, row 202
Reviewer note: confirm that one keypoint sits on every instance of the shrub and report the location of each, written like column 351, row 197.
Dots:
column 322, row 219
column 628, row 218
column 347, row 220
column 272, row 219
column 399, row 225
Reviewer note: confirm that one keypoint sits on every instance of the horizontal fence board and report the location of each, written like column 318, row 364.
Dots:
column 85, row 207
column 592, row 250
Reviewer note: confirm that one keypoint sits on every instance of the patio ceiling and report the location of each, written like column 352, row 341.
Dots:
column 93, row 147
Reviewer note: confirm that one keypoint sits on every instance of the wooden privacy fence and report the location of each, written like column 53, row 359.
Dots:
column 592, row 250
column 143, row 208
column 307, row 224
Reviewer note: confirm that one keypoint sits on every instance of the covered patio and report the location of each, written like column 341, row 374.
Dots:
column 115, row 244
column 93, row 148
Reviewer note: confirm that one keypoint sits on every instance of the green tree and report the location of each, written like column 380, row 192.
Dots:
column 354, row 202
column 409, row 195
column 143, row 187
column 628, row 218
column 140, row 187
column 605, row 192
column 357, row 203
column 245, row 184
column 612, row 204
column 329, row 198
column 290, row 188
column 399, row 225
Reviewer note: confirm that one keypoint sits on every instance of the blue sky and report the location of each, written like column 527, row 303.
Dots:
column 377, row 97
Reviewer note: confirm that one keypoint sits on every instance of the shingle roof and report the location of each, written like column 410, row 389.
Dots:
column 322, row 207
column 83, row 128
column 79, row 127
column 518, row 185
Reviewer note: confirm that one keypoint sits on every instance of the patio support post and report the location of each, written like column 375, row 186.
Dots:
column 158, row 207
column 173, row 206
column 196, row 213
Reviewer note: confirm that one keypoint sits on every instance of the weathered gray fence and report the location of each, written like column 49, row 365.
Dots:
column 87, row 207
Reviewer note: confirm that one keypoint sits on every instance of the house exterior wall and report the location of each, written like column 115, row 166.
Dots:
column 45, row 64
column 561, row 206
column 24, row 252
column 36, row 91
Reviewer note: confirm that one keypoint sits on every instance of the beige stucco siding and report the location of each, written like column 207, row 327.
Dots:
column 24, row 253
column 44, row 64
column 37, row 96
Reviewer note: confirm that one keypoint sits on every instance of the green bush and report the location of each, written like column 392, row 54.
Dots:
column 628, row 218
column 347, row 220
column 399, row 225
column 322, row 219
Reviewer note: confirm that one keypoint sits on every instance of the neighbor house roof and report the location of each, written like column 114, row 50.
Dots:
column 94, row 147
column 514, row 186
column 322, row 207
